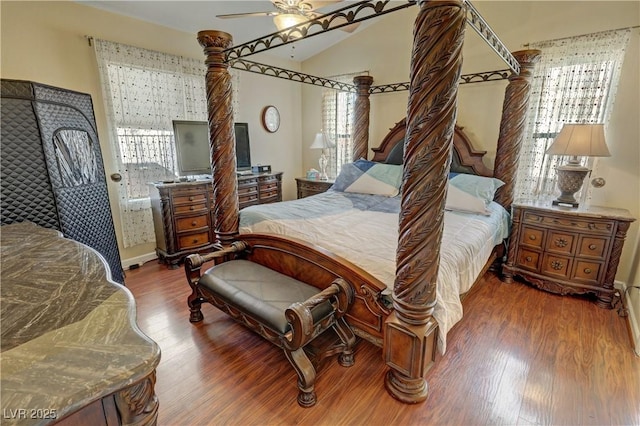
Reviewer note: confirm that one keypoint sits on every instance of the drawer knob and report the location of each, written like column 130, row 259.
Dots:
column 192, row 207
column 592, row 246
column 587, row 270
column 195, row 240
column 532, row 237
column 561, row 242
column 191, row 198
column 557, row 265
column 194, row 223
column 528, row 258
column 591, row 225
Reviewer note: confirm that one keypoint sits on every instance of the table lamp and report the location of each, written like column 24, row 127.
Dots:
column 576, row 140
column 322, row 142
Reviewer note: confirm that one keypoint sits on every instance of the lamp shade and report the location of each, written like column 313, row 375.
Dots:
column 322, row 141
column 580, row 140
column 286, row 20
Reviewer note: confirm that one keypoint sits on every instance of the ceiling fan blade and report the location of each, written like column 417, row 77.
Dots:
column 246, row 15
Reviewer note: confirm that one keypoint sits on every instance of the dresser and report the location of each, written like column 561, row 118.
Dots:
column 72, row 353
column 307, row 187
column 565, row 250
column 183, row 216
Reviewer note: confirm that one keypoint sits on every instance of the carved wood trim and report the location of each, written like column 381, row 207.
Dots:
column 437, row 50
column 138, row 404
column 361, row 116
column 221, row 135
column 514, row 110
column 468, row 155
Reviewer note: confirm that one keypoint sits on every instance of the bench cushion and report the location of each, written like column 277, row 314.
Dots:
column 261, row 292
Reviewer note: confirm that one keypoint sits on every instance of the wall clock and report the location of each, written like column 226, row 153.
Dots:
column 270, row 118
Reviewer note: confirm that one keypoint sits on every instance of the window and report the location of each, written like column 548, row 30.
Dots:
column 144, row 91
column 337, row 123
column 574, row 82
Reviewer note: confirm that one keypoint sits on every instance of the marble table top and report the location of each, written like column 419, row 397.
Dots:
column 68, row 335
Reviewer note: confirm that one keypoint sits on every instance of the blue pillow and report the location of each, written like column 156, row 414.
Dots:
column 368, row 177
column 479, row 186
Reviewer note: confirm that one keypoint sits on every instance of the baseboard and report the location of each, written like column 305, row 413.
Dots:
column 138, row 260
column 633, row 317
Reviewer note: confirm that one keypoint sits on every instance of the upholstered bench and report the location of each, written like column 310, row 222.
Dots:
column 285, row 311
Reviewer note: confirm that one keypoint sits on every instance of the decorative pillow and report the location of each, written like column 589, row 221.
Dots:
column 368, row 177
column 460, row 201
column 478, row 186
column 396, row 154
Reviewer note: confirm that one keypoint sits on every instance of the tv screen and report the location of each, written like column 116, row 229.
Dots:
column 192, row 147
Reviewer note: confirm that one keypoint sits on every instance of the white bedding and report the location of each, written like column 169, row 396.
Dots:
column 364, row 230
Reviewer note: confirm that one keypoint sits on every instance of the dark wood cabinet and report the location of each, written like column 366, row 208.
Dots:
column 183, row 212
column 307, row 187
column 565, row 250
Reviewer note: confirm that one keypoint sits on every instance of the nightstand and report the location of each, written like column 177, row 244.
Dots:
column 307, row 187
column 565, row 250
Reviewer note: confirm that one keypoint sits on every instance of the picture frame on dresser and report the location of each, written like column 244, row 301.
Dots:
column 566, row 250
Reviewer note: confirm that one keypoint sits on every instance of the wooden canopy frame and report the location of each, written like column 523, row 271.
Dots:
column 409, row 330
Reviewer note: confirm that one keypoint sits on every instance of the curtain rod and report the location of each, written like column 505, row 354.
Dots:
column 526, row 45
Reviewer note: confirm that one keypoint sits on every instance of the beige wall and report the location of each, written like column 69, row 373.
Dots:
column 45, row 42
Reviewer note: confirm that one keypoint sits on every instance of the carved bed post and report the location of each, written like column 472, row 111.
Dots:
column 514, row 112
column 221, row 135
column 410, row 330
column 361, row 117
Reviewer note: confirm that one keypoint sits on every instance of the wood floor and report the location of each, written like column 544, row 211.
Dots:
column 520, row 356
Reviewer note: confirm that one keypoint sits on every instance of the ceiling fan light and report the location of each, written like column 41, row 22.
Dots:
column 286, row 20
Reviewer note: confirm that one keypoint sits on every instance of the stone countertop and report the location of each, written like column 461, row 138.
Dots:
column 69, row 335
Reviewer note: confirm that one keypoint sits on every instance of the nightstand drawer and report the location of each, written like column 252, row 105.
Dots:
column 191, row 223
column 592, row 247
column 559, row 266
column 587, row 272
column 528, row 259
column 569, row 222
column 561, row 242
column 532, row 237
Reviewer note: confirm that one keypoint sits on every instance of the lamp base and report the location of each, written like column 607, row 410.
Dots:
column 570, row 178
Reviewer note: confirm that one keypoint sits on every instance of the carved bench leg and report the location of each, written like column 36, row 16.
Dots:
column 195, row 307
column 306, row 376
column 347, row 337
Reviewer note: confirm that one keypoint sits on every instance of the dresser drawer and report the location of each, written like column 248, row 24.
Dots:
column 198, row 197
column 587, row 272
column 269, row 186
column 193, row 240
column 191, row 223
column 575, row 224
column 190, row 208
column 561, row 242
column 592, row 247
column 532, row 237
column 558, row 266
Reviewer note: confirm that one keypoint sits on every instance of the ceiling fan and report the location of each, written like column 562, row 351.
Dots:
column 289, row 12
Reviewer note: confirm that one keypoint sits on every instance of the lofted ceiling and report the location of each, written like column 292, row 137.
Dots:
column 194, row 16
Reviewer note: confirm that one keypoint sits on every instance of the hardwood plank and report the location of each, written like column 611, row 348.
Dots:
column 519, row 356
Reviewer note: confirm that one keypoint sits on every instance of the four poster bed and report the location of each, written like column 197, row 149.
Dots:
column 398, row 314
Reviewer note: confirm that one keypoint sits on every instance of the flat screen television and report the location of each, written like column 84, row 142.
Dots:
column 192, row 147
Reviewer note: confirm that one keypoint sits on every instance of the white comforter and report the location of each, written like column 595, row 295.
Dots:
column 364, row 230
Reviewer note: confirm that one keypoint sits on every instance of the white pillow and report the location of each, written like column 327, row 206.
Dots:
column 460, row 201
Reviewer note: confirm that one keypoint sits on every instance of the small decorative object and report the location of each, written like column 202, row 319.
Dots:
column 313, row 174
column 576, row 140
column 322, row 142
column 598, row 182
column 271, row 118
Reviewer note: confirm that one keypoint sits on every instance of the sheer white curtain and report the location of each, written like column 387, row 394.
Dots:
column 144, row 91
column 337, row 122
column 574, row 82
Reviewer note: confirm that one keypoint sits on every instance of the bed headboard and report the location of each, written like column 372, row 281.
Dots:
column 465, row 158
